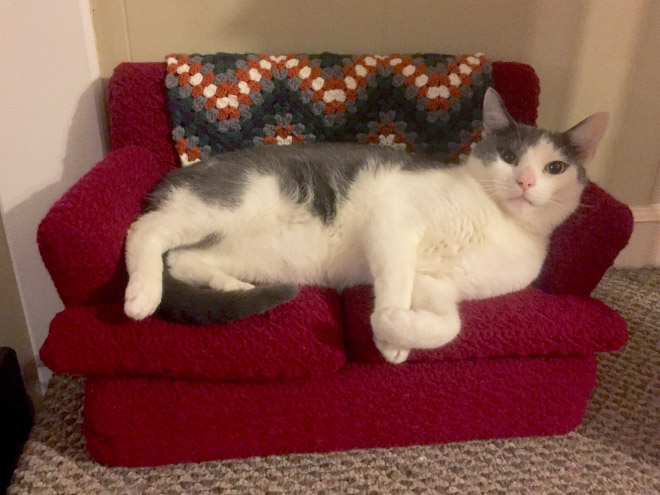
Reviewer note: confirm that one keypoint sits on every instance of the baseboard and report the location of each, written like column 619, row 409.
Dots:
column 650, row 213
column 44, row 376
column 644, row 246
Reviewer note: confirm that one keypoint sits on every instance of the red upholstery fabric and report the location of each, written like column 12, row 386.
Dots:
column 81, row 239
column 137, row 110
column 142, row 422
column 585, row 246
column 524, row 323
column 304, row 337
column 300, row 338
column 519, row 87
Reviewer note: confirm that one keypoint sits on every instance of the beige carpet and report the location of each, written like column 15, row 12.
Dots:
column 615, row 451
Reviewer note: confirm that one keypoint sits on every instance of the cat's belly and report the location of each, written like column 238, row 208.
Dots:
column 276, row 255
column 346, row 264
column 301, row 253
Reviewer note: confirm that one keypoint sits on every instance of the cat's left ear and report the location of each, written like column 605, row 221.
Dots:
column 587, row 134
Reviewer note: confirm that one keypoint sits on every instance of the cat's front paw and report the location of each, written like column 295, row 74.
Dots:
column 388, row 324
column 141, row 299
column 391, row 353
column 409, row 329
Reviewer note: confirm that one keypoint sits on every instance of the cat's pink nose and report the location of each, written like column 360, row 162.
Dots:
column 526, row 180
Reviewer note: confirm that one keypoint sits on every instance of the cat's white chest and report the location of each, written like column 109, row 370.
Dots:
column 509, row 261
column 483, row 255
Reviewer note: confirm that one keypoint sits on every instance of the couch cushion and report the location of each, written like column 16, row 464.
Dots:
column 525, row 323
column 300, row 338
column 425, row 102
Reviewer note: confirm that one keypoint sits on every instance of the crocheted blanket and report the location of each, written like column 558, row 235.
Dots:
column 423, row 102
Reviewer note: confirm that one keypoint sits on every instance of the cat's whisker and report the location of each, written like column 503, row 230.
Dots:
column 491, row 187
column 492, row 193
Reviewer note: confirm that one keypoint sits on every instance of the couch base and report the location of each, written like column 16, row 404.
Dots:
column 146, row 421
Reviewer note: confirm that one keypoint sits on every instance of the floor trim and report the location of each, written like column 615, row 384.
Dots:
column 644, row 246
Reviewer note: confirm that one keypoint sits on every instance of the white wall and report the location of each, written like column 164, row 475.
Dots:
column 52, row 131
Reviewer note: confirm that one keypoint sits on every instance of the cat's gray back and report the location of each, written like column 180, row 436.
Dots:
column 319, row 175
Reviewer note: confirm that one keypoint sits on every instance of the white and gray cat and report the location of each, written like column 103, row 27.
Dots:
column 239, row 232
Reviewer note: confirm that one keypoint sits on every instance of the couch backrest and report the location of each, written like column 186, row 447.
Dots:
column 138, row 112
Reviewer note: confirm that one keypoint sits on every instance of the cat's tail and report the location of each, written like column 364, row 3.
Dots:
column 185, row 303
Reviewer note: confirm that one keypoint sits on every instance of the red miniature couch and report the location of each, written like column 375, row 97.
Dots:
column 306, row 377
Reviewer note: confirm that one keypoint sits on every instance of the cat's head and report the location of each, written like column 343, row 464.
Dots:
column 536, row 176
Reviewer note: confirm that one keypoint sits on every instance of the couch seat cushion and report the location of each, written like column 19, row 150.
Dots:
column 525, row 323
column 300, row 338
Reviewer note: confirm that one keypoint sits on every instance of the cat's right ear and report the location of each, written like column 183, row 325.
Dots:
column 587, row 134
column 495, row 118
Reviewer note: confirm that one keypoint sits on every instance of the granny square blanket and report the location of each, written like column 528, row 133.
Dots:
column 429, row 103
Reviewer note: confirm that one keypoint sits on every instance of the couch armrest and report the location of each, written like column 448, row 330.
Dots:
column 519, row 87
column 81, row 238
column 585, row 246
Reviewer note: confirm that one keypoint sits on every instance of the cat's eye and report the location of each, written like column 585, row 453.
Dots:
column 555, row 168
column 507, row 155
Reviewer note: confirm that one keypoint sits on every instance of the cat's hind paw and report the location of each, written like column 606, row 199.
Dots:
column 226, row 283
column 141, row 300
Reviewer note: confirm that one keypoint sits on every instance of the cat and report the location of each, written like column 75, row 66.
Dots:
column 236, row 234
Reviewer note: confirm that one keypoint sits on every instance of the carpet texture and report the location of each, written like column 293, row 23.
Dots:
column 615, row 451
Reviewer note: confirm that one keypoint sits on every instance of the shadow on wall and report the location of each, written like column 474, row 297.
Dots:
column 552, row 36
column 637, row 131
column 85, row 146
column 14, row 331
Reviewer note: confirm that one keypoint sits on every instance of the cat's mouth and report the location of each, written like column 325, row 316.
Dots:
column 521, row 199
